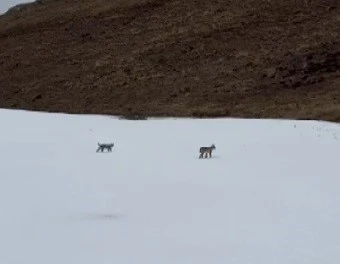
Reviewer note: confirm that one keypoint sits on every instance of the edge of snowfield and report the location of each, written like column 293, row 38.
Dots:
column 270, row 193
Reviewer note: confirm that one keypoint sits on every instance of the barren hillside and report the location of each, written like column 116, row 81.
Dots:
column 250, row 58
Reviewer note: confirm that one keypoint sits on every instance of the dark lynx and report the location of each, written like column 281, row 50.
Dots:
column 206, row 151
column 102, row 147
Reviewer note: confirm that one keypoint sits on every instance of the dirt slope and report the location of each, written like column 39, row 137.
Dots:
column 250, row 58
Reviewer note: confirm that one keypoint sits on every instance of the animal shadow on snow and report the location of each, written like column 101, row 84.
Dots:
column 212, row 157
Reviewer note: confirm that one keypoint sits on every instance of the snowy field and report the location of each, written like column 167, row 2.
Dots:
column 269, row 195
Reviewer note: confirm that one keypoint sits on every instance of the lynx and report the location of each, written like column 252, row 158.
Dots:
column 206, row 151
column 101, row 147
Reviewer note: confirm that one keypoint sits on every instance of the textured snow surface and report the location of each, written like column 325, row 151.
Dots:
column 270, row 193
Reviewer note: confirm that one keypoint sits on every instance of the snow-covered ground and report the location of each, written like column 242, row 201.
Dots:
column 270, row 193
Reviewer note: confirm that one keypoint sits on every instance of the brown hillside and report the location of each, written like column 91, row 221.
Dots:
column 249, row 58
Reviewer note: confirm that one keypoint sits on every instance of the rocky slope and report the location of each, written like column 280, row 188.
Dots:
column 250, row 58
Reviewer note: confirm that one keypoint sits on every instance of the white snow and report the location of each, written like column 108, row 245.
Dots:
column 270, row 193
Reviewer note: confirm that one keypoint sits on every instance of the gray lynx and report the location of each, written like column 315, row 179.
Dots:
column 206, row 151
column 101, row 147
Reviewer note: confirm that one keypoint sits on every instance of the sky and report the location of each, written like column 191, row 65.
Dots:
column 6, row 4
